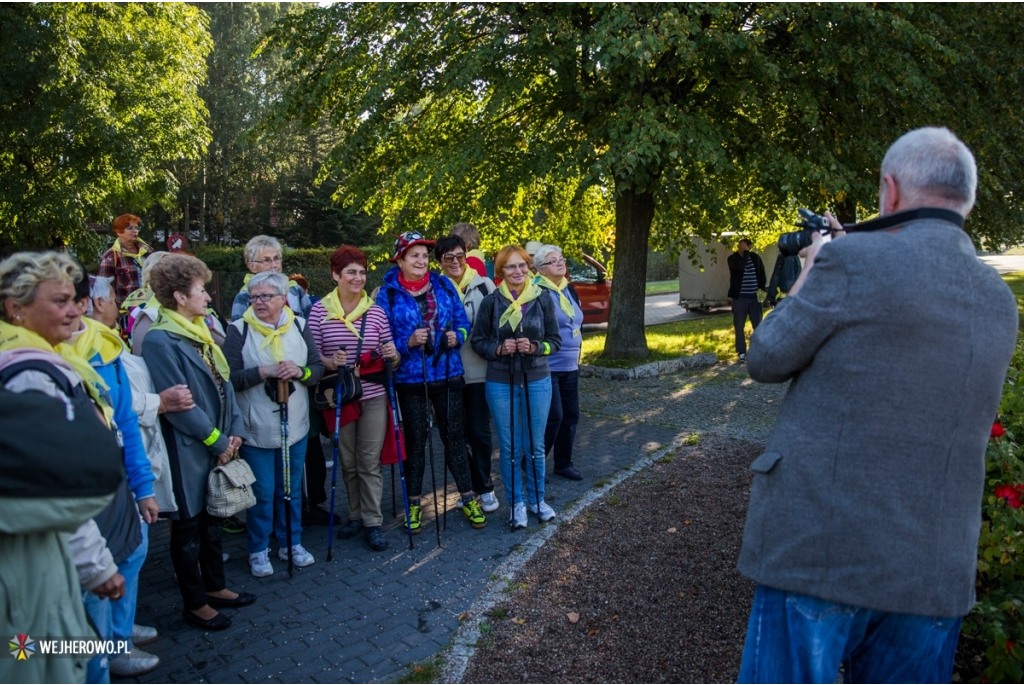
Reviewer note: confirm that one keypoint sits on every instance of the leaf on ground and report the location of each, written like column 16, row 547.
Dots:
column 417, row 669
column 671, row 530
column 573, row 617
column 615, row 617
column 463, row 616
column 519, row 621
column 592, row 632
column 563, row 579
column 682, row 595
column 687, row 521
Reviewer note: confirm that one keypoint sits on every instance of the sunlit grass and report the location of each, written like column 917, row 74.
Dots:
column 657, row 287
column 1014, row 280
column 670, row 340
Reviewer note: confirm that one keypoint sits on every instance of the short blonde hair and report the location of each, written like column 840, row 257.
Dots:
column 259, row 244
column 148, row 263
column 506, row 253
column 22, row 272
column 176, row 273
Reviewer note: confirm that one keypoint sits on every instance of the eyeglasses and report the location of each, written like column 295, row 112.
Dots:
column 516, row 267
column 268, row 260
column 265, row 297
column 133, row 227
column 451, row 258
column 553, row 262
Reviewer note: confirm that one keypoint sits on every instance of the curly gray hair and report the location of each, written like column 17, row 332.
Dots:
column 22, row 272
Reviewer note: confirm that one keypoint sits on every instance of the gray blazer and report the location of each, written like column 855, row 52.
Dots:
column 869, row 492
column 172, row 360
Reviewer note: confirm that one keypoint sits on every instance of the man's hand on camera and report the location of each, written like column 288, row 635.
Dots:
column 809, row 254
column 837, row 228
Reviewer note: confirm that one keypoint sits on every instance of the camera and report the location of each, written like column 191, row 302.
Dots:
column 790, row 244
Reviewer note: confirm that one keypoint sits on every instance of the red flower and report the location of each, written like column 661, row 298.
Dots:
column 1009, row 645
column 997, row 430
column 1011, row 493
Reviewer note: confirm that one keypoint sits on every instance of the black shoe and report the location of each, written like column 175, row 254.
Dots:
column 218, row 622
column 318, row 517
column 243, row 599
column 374, row 540
column 350, row 529
column 232, row 526
column 569, row 472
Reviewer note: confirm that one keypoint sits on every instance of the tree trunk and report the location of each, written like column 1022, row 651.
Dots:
column 633, row 215
column 202, row 205
column 846, row 211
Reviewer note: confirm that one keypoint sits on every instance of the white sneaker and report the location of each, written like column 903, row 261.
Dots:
column 143, row 635
column 519, row 516
column 135, row 663
column 546, row 512
column 300, row 557
column 260, row 565
column 743, row 358
column 490, row 502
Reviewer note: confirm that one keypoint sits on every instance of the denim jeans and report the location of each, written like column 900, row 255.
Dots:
column 97, row 670
column 268, row 467
column 501, row 406
column 123, row 610
column 560, row 432
column 793, row 638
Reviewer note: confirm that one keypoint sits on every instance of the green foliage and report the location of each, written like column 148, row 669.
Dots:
column 95, row 100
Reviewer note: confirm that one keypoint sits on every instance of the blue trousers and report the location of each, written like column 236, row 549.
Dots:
column 501, row 404
column 793, row 638
column 268, row 467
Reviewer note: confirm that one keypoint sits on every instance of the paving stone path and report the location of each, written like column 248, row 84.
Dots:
column 365, row 617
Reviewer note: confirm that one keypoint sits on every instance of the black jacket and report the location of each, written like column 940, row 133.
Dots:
column 737, row 263
column 539, row 325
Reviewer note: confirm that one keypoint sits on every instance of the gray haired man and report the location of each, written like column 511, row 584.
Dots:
column 865, row 509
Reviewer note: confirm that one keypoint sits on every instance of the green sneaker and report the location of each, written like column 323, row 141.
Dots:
column 416, row 517
column 474, row 513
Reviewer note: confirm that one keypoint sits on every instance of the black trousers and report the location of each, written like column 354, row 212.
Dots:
column 560, row 431
column 477, row 427
column 742, row 307
column 414, row 422
column 196, row 556
column 316, row 462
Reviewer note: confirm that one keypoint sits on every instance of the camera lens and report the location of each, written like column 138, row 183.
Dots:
column 790, row 244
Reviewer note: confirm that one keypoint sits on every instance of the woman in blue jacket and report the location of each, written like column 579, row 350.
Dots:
column 429, row 324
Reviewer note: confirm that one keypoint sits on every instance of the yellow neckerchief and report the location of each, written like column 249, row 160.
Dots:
column 563, row 299
column 479, row 254
column 137, row 297
column 332, row 303
column 197, row 330
column 18, row 337
column 462, row 285
column 245, row 282
column 137, row 256
column 152, row 303
column 514, row 312
column 95, row 338
column 271, row 336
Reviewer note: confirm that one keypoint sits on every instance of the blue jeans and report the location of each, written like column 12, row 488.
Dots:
column 267, row 465
column 793, row 638
column 501, row 405
column 97, row 670
column 123, row 610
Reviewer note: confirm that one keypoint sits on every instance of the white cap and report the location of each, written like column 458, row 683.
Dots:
column 533, row 246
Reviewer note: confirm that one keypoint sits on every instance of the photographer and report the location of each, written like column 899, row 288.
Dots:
column 746, row 277
column 865, row 508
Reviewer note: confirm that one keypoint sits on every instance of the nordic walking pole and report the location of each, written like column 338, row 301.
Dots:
column 430, row 443
column 447, row 420
column 334, row 469
column 389, row 372
column 512, row 436
column 529, row 430
column 394, row 512
column 283, row 391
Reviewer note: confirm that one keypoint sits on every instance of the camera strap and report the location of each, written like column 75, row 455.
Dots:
column 899, row 218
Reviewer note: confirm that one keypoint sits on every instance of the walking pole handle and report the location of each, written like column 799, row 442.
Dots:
column 284, row 388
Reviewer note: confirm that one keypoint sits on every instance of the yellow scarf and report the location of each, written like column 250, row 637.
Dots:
column 271, row 336
column 197, row 330
column 152, row 303
column 245, row 282
column 137, row 256
column 462, row 285
column 514, row 312
column 95, row 339
column 332, row 303
column 137, row 297
column 563, row 299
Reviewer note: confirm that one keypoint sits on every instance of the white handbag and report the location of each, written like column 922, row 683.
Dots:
column 229, row 489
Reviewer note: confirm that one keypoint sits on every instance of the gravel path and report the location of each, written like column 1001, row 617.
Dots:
column 640, row 587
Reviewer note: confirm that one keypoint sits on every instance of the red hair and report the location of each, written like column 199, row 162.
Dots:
column 506, row 253
column 345, row 255
column 121, row 222
column 301, row 280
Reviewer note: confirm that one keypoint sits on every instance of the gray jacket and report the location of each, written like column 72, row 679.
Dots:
column 869, row 491
column 172, row 361
column 475, row 368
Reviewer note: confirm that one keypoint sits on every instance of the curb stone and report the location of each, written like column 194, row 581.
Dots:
column 456, row 660
column 651, row 370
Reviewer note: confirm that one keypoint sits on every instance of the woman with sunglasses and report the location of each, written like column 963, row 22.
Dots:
column 429, row 324
column 516, row 330
column 472, row 288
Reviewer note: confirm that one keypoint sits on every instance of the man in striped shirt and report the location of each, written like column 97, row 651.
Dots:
column 746, row 277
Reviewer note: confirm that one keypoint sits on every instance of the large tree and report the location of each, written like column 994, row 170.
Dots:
column 694, row 118
column 95, row 99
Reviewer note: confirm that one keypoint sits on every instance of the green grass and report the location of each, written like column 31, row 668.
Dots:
column 657, row 287
column 424, row 672
column 670, row 340
column 1016, row 283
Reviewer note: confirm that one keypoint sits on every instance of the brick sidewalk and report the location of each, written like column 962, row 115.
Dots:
column 364, row 616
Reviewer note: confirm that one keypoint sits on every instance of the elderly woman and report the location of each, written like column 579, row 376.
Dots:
column 180, row 351
column 347, row 320
column 560, row 433
column 428, row 320
column 270, row 343
column 43, row 565
column 123, row 261
column 472, row 289
column 516, row 331
column 263, row 254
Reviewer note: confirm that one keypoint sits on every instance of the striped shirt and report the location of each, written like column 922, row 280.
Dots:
column 330, row 335
column 749, row 287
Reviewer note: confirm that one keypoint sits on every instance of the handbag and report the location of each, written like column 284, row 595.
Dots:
column 229, row 489
column 345, row 381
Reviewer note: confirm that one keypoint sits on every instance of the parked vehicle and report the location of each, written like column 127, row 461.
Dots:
column 705, row 286
column 590, row 279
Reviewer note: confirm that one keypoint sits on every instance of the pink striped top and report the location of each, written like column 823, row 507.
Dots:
column 330, row 335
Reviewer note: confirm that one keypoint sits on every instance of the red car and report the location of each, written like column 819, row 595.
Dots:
column 590, row 279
